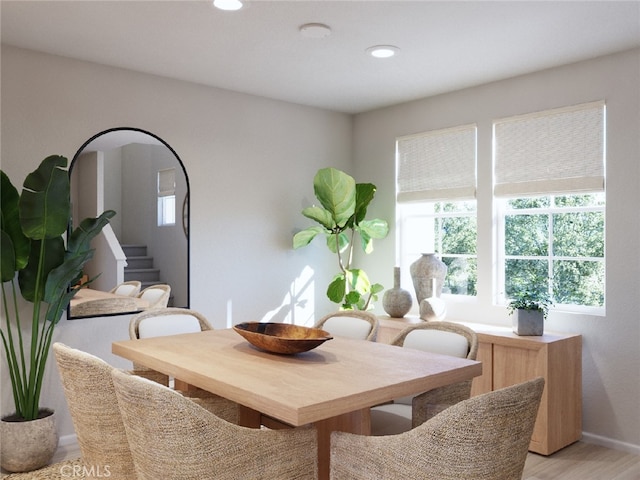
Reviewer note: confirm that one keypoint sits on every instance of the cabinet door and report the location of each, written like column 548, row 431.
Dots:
column 513, row 365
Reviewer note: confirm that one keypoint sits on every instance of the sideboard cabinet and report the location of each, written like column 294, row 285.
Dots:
column 508, row 359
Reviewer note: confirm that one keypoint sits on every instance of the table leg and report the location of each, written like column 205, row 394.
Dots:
column 248, row 417
column 358, row 422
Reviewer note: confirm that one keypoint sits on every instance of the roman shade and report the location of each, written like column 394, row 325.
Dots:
column 550, row 152
column 437, row 165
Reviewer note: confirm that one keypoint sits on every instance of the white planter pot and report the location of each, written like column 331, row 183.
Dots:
column 27, row 446
column 528, row 322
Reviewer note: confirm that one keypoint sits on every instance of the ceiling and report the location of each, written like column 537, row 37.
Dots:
column 444, row 46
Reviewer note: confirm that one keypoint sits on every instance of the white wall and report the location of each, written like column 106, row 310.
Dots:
column 250, row 161
column 611, row 357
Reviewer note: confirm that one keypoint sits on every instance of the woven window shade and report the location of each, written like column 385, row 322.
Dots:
column 437, row 165
column 550, row 152
column 167, row 182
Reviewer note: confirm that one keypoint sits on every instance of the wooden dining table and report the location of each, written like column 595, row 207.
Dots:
column 332, row 386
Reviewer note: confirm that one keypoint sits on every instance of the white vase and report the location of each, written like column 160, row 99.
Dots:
column 28, row 445
column 428, row 273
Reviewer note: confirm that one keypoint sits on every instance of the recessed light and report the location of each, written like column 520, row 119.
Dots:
column 227, row 4
column 315, row 30
column 382, row 51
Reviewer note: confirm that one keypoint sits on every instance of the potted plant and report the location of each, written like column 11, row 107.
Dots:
column 340, row 217
column 529, row 310
column 34, row 256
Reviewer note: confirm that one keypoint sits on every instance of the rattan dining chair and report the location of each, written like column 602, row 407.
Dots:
column 482, row 438
column 164, row 321
column 88, row 388
column 173, row 321
column 127, row 289
column 408, row 412
column 175, row 437
column 157, row 295
column 356, row 324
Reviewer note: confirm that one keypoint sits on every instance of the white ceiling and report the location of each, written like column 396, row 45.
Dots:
column 444, row 46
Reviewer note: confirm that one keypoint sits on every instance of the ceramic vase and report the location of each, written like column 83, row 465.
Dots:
column 428, row 273
column 396, row 301
column 30, row 445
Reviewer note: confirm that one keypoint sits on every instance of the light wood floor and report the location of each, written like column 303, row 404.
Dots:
column 580, row 461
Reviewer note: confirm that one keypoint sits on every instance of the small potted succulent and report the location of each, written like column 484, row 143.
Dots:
column 529, row 310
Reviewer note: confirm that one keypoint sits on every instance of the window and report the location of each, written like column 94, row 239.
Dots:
column 436, row 209
column 555, row 244
column 550, row 204
column 167, row 197
column 448, row 229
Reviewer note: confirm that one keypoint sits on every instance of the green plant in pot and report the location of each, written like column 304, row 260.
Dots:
column 35, row 257
column 529, row 310
column 340, row 217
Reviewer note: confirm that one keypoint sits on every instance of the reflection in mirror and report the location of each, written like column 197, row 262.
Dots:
column 140, row 176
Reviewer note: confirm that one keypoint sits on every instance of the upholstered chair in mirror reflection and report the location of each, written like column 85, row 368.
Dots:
column 127, row 289
column 157, row 295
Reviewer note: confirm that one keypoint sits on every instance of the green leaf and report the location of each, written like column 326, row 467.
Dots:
column 337, row 193
column 44, row 205
column 374, row 228
column 320, row 215
column 352, row 298
column 364, row 195
column 80, row 238
column 52, row 257
column 376, row 288
column 343, row 242
column 7, row 259
column 11, row 224
column 358, row 280
column 336, row 289
column 304, row 237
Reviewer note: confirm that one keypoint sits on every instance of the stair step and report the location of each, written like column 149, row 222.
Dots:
column 151, row 275
column 139, row 262
column 135, row 250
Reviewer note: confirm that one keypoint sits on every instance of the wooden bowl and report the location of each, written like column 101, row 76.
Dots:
column 281, row 337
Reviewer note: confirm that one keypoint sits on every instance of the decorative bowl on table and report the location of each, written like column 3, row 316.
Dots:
column 281, row 337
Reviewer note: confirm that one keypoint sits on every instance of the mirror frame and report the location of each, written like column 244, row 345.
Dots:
column 185, row 214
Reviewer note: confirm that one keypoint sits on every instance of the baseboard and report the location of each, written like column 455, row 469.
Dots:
column 610, row 443
column 67, row 440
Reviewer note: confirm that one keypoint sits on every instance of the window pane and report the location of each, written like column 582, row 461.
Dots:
column 462, row 275
column 578, row 283
column 458, row 235
column 530, row 275
column 578, row 234
column 529, row 202
column 592, row 200
column 526, row 235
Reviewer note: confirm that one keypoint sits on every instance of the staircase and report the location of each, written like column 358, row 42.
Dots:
column 140, row 267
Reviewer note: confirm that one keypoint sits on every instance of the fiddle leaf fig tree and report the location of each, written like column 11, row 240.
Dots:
column 33, row 247
column 341, row 217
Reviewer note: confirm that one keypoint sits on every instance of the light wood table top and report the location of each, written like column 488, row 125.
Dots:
column 324, row 386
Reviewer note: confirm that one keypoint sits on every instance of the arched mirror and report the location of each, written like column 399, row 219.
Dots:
column 141, row 177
